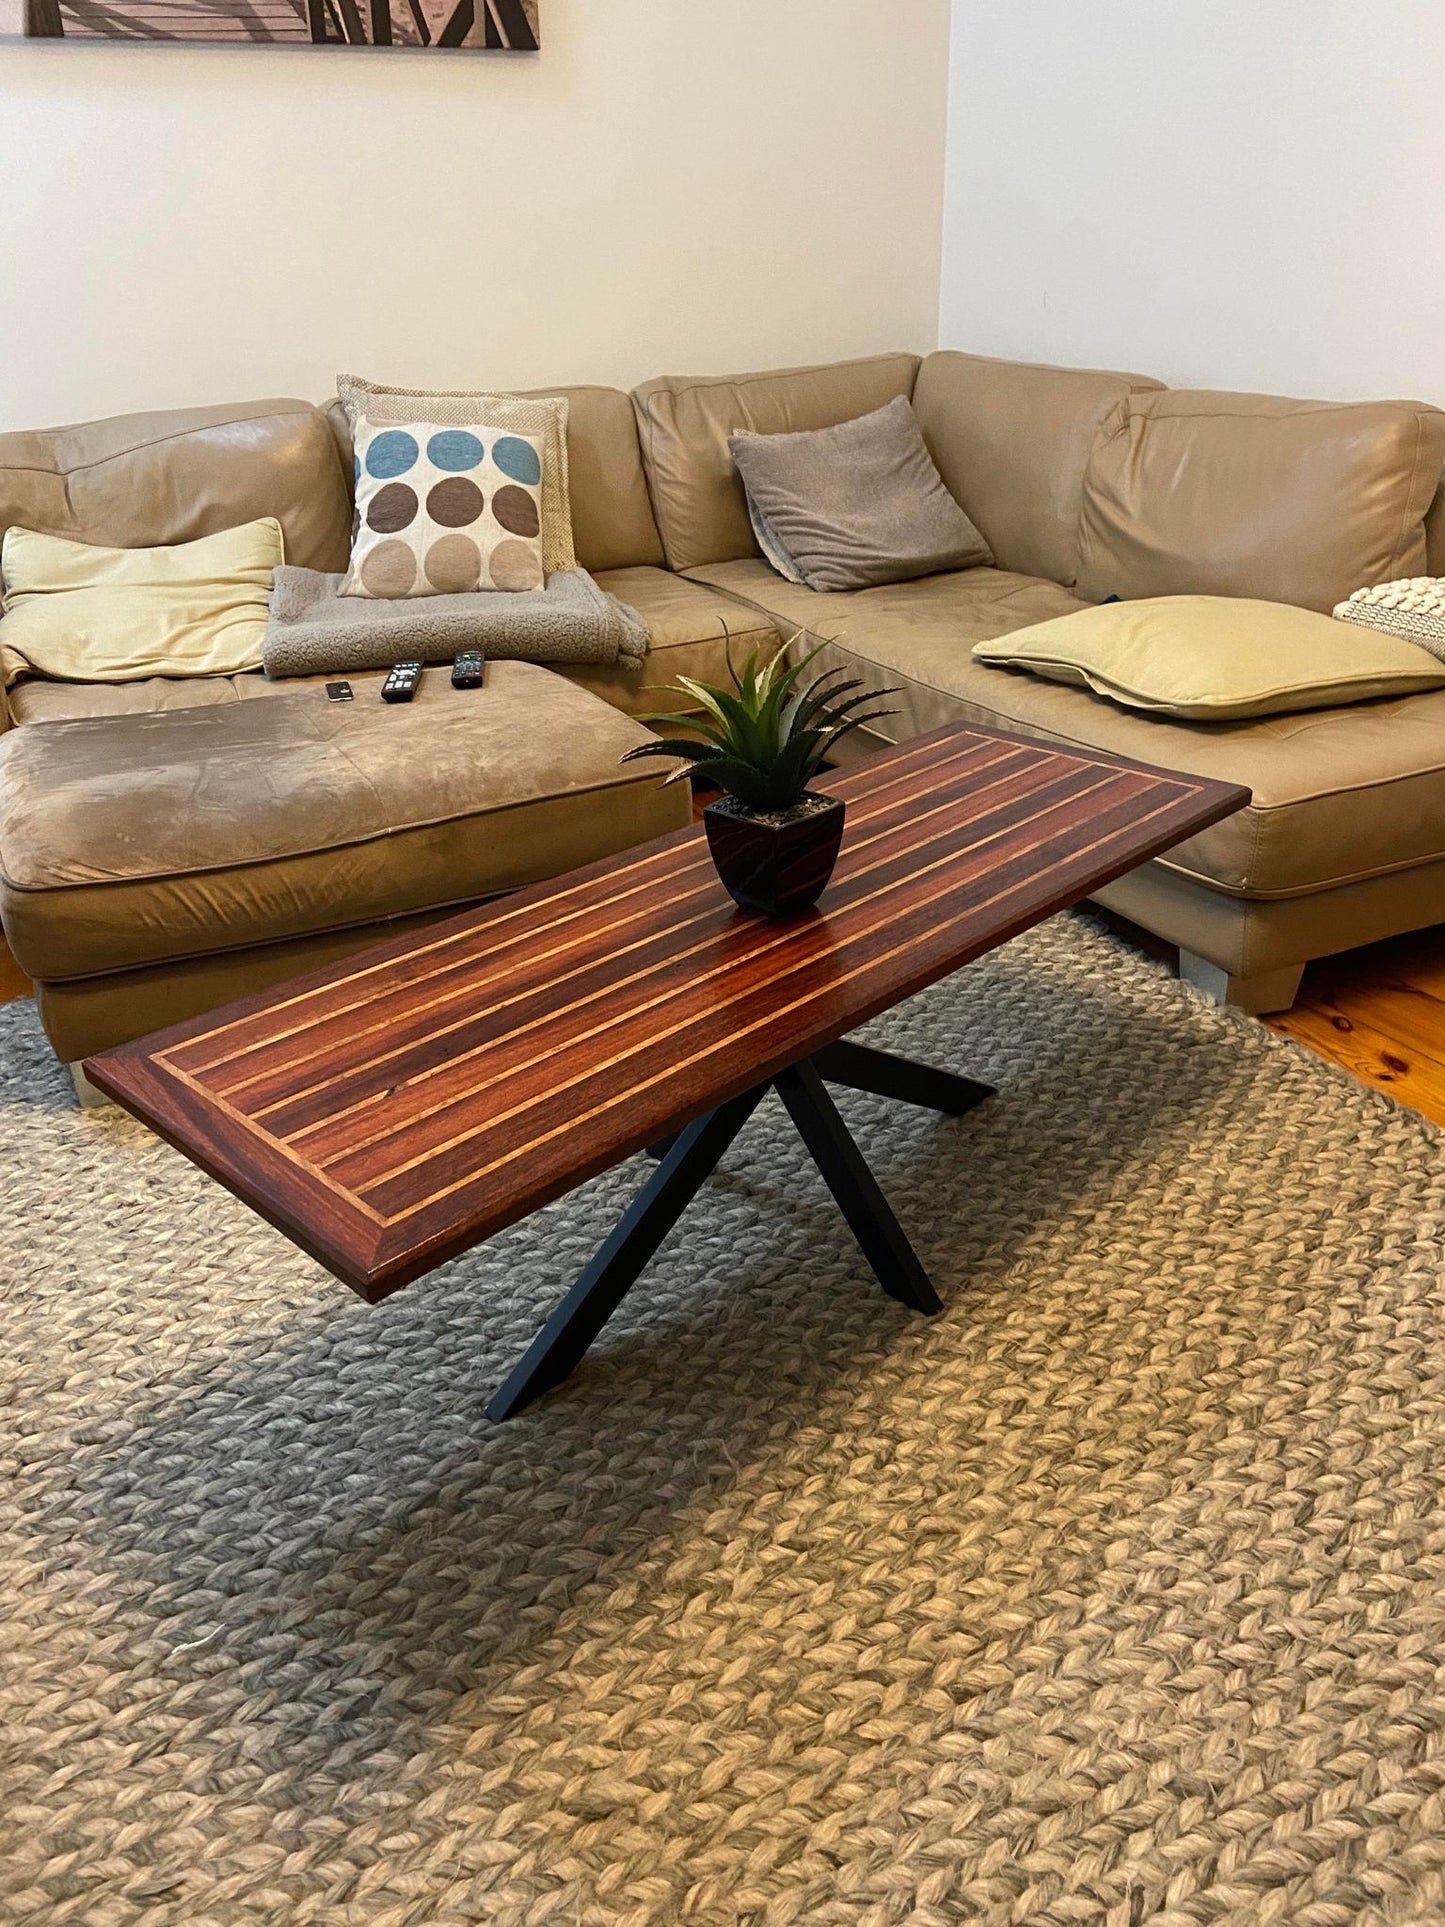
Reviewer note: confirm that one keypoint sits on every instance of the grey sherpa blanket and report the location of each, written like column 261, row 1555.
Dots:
column 313, row 631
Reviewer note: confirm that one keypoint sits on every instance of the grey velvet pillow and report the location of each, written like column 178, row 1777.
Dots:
column 774, row 554
column 859, row 504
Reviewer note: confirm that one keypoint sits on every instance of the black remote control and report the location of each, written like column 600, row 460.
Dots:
column 400, row 685
column 468, row 670
column 338, row 692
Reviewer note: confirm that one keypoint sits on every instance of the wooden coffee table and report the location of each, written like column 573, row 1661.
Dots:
column 398, row 1107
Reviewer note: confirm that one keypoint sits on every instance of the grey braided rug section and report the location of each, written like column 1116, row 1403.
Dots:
column 1114, row 1594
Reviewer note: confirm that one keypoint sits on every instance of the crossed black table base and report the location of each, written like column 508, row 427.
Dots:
column 687, row 1160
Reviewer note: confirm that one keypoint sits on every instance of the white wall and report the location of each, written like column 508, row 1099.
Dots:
column 670, row 186
column 1226, row 193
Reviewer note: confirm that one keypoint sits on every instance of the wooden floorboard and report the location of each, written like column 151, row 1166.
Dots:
column 1379, row 1012
column 13, row 980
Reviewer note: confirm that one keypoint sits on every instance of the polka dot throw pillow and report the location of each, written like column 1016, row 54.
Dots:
column 444, row 511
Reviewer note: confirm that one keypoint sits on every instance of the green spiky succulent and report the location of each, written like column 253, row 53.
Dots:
column 766, row 738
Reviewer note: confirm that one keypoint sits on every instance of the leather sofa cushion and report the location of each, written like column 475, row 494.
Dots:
column 140, row 481
column 83, row 1015
column 612, row 525
column 1012, row 440
column 612, row 521
column 685, row 421
column 1434, row 536
column 36, row 700
column 691, row 632
column 973, row 605
column 1191, row 492
column 1340, row 795
column 127, row 840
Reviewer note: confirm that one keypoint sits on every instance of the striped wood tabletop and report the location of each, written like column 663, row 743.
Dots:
column 390, row 1111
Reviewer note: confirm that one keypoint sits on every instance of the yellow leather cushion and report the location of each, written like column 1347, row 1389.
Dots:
column 1210, row 658
column 84, row 614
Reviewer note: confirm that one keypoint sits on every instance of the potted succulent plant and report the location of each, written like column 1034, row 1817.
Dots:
column 773, row 840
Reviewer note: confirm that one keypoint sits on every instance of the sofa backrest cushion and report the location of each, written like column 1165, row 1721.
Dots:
column 612, row 525
column 685, row 422
column 1012, row 440
column 1194, row 492
column 143, row 481
column 612, row 521
column 1435, row 534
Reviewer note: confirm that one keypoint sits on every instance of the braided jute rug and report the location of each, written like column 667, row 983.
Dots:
column 1114, row 1594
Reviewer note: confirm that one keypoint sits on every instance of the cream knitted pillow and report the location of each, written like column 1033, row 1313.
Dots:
column 545, row 421
column 1413, row 607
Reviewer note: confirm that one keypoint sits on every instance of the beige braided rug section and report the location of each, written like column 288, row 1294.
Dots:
column 1113, row 1595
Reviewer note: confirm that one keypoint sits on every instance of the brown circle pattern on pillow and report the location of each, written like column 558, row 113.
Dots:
column 516, row 510
column 391, row 508
column 455, row 503
column 445, row 510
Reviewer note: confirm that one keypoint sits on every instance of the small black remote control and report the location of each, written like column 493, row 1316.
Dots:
column 400, row 685
column 468, row 670
column 338, row 692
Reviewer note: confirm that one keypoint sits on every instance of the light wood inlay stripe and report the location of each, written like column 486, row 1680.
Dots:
column 391, row 1111
column 342, row 1192
column 773, row 1015
column 596, row 940
column 789, row 966
column 715, row 916
column 688, row 857
column 693, row 991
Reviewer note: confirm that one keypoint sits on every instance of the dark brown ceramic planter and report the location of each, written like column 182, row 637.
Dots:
column 778, row 863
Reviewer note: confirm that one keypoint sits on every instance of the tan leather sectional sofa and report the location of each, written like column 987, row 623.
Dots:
column 1089, row 484
column 167, row 845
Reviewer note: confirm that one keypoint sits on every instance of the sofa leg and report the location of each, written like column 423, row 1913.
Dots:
column 1272, row 990
column 90, row 1098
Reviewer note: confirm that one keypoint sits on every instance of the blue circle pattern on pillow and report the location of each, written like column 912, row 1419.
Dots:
column 391, row 454
column 455, row 449
column 518, row 460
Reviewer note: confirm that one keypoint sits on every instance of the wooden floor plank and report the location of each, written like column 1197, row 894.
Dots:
column 1410, row 1017
column 1417, row 960
column 1379, row 1013
column 1374, row 1056
column 13, row 980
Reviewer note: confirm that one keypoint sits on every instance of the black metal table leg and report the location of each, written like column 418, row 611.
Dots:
column 861, row 1068
column 687, row 1159
column 869, row 1214
column 602, row 1285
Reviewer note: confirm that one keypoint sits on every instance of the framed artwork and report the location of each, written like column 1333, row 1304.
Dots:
column 501, row 26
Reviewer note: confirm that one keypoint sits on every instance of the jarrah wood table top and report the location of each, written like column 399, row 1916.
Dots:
column 390, row 1111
